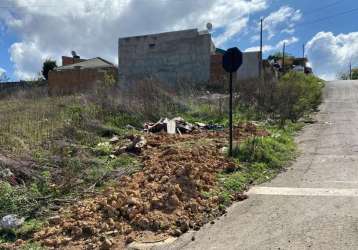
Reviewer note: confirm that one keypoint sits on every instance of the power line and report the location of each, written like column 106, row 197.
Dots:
column 323, row 7
column 329, row 17
column 50, row 5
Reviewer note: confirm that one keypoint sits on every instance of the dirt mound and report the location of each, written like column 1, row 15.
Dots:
column 165, row 198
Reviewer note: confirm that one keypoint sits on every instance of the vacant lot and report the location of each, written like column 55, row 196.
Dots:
column 70, row 166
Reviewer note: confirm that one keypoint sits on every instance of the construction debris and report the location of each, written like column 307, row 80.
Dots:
column 11, row 221
column 171, row 126
column 134, row 144
column 114, row 139
column 178, row 125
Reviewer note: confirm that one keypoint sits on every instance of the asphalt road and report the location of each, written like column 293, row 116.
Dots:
column 314, row 204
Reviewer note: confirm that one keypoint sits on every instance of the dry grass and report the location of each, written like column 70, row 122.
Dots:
column 26, row 122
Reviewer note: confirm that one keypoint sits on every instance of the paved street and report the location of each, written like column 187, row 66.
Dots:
column 314, row 204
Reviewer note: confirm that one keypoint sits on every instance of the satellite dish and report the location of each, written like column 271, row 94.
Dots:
column 74, row 54
column 209, row 26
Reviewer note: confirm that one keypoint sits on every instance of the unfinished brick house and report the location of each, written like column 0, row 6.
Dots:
column 79, row 75
column 172, row 57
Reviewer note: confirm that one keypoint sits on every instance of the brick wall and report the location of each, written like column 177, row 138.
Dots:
column 66, row 60
column 248, row 70
column 216, row 70
column 76, row 80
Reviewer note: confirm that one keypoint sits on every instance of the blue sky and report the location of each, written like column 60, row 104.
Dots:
column 33, row 30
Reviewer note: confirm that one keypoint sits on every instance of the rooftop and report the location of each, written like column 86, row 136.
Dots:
column 96, row 62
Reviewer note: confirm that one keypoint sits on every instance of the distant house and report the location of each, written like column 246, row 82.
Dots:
column 79, row 75
column 297, row 64
column 179, row 56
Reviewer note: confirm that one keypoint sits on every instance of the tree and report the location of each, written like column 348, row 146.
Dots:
column 4, row 77
column 355, row 74
column 346, row 76
column 343, row 76
column 278, row 56
column 47, row 67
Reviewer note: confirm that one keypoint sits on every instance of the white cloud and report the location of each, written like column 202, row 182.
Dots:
column 278, row 46
column 231, row 31
column 330, row 54
column 92, row 27
column 280, row 20
column 287, row 42
column 288, row 31
column 265, row 48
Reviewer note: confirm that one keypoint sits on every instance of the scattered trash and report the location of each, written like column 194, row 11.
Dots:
column 200, row 124
column 130, row 126
column 171, row 126
column 214, row 127
column 178, row 125
column 11, row 221
column 133, row 145
column 5, row 173
column 155, row 127
column 114, row 139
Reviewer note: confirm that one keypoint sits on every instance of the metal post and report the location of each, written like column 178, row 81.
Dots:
column 230, row 116
column 283, row 58
column 350, row 70
column 260, row 68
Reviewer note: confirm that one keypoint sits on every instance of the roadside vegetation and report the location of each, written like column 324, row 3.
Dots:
column 57, row 151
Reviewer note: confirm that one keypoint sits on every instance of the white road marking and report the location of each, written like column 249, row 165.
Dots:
column 303, row 191
column 344, row 182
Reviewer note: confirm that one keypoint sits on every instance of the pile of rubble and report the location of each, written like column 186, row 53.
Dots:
column 166, row 198
column 178, row 125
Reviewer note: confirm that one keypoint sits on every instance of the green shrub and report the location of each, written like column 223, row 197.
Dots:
column 28, row 228
column 274, row 150
column 121, row 119
column 16, row 200
column 296, row 94
column 103, row 148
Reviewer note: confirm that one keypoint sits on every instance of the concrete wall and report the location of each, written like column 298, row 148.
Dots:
column 250, row 66
column 248, row 70
column 170, row 57
column 76, row 80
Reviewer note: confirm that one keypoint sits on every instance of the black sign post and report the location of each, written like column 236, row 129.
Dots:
column 232, row 61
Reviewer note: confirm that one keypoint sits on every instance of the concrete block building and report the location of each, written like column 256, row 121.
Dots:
column 170, row 57
column 179, row 56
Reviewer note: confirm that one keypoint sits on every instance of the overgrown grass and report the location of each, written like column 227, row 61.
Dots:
column 67, row 138
column 260, row 159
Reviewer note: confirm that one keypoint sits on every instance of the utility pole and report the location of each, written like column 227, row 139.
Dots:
column 261, row 38
column 350, row 70
column 303, row 56
column 283, row 57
